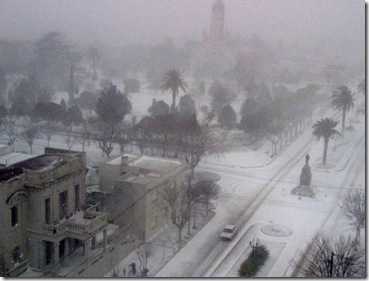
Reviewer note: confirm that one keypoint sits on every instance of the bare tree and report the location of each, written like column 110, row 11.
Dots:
column 274, row 139
column 195, row 146
column 69, row 139
column 29, row 132
column 84, row 133
column 179, row 209
column 124, row 136
column 2, row 127
column 143, row 254
column 48, row 129
column 353, row 208
column 208, row 190
column 11, row 128
column 104, row 136
column 334, row 258
column 192, row 194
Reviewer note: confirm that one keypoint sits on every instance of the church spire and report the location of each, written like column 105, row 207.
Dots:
column 217, row 21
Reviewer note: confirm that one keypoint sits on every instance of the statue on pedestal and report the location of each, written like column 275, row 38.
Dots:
column 305, row 188
column 305, row 177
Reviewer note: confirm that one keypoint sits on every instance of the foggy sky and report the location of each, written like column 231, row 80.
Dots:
column 117, row 22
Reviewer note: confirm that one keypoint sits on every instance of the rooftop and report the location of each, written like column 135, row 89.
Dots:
column 141, row 178
column 33, row 164
column 148, row 163
column 13, row 158
column 156, row 164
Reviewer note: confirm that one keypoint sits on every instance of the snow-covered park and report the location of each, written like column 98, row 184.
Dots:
column 256, row 197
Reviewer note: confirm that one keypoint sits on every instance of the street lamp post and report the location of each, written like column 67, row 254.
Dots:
column 254, row 243
column 331, row 267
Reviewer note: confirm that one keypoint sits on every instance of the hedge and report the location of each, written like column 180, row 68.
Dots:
column 256, row 259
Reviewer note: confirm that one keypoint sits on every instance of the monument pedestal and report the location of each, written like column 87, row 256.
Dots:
column 306, row 191
column 305, row 188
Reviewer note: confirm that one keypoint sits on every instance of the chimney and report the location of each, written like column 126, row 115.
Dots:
column 125, row 160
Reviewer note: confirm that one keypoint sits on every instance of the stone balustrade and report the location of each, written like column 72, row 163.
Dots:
column 82, row 228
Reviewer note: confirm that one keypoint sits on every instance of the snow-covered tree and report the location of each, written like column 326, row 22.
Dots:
column 208, row 190
column 29, row 131
column 334, row 258
column 353, row 208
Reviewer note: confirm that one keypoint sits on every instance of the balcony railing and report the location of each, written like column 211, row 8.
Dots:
column 91, row 221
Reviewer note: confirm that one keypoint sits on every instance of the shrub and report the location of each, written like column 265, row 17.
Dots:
column 256, row 259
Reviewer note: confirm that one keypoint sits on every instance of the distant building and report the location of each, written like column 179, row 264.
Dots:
column 135, row 184
column 219, row 48
column 44, row 217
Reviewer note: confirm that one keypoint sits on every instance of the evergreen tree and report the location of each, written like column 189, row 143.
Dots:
column 227, row 117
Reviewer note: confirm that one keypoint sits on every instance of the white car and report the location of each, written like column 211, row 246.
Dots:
column 229, row 232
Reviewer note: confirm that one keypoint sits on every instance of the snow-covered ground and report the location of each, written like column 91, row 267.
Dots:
column 247, row 174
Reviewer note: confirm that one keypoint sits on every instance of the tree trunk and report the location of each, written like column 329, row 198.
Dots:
column 189, row 223
column 174, row 95
column 30, row 148
column 326, row 140
column 343, row 121
column 357, row 237
column 207, row 207
column 194, row 217
column 180, row 237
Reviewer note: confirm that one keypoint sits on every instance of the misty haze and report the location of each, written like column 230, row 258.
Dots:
column 182, row 138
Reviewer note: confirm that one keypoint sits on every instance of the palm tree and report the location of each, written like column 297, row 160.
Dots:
column 361, row 86
column 325, row 129
column 173, row 81
column 342, row 99
column 361, row 89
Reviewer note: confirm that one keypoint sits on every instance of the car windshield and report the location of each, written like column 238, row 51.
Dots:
column 228, row 230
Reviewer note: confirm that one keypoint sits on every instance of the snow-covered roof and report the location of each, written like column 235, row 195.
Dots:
column 118, row 160
column 13, row 158
column 148, row 163
column 156, row 164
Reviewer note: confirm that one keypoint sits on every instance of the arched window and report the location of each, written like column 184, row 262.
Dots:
column 16, row 254
column 14, row 215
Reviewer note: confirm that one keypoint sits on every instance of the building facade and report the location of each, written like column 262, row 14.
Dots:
column 136, row 186
column 45, row 220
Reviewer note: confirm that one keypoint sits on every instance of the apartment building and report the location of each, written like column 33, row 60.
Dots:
column 135, row 184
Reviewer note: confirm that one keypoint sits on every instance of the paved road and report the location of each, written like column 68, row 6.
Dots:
column 206, row 260
column 203, row 261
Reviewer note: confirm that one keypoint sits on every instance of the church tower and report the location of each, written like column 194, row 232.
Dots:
column 217, row 21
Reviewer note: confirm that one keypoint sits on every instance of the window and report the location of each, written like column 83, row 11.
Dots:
column 63, row 204
column 76, row 197
column 16, row 254
column 47, row 211
column 14, row 215
column 62, row 248
column 49, row 252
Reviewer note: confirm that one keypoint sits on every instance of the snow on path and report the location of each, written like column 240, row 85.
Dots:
column 305, row 216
